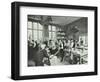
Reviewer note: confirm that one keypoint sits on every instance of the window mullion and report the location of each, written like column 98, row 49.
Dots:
column 32, row 32
column 37, row 31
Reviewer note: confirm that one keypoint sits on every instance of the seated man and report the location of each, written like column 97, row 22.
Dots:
column 40, row 55
column 67, row 55
column 76, row 56
column 53, row 57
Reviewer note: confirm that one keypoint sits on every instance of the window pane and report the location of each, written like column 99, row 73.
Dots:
column 40, row 35
column 35, row 25
column 29, row 24
column 50, row 35
column 35, row 35
column 29, row 35
column 53, row 28
column 40, row 26
column 49, row 27
column 54, row 35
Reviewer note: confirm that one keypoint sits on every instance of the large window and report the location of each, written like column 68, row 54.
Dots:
column 35, row 30
column 52, row 32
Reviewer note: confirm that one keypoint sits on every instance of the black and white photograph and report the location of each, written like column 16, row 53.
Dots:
column 57, row 40
column 53, row 40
